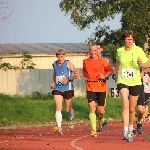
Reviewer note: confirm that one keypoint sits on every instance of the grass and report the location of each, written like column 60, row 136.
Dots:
column 39, row 108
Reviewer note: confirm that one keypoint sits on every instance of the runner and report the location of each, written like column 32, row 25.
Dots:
column 95, row 70
column 63, row 88
column 146, row 82
column 129, row 59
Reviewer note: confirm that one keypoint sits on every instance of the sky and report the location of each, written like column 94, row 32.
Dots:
column 41, row 21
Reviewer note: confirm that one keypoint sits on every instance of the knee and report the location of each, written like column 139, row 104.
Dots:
column 125, row 108
column 58, row 108
column 101, row 111
column 131, row 111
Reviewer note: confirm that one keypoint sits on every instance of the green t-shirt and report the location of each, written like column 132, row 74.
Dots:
column 129, row 73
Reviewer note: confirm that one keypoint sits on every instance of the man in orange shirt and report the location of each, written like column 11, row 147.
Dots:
column 95, row 70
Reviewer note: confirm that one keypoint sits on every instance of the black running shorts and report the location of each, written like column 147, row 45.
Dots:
column 141, row 98
column 133, row 90
column 66, row 95
column 98, row 97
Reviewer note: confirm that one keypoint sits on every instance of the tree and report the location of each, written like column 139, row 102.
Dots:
column 6, row 10
column 26, row 63
column 134, row 15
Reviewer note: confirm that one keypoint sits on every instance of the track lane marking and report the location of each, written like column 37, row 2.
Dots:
column 79, row 148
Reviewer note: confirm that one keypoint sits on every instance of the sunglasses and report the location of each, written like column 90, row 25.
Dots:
column 60, row 54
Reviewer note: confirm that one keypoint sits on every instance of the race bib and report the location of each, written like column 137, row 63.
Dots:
column 59, row 79
column 146, row 87
column 128, row 73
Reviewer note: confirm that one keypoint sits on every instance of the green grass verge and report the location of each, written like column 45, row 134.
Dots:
column 38, row 108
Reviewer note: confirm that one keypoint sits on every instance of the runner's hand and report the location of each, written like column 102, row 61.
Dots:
column 77, row 75
column 52, row 85
column 101, row 76
column 64, row 80
column 139, row 62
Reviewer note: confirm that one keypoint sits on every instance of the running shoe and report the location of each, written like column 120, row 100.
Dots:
column 102, row 123
column 125, row 136
column 93, row 134
column 58, row 130
column 130, row 136
column 139, row 128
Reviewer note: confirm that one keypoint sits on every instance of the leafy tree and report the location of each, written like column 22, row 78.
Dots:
column 26, row 63
column 6, row 10
column 134, row 15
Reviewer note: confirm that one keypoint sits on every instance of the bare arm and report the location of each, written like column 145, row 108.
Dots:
column 71, row 67
column 53, row 80
column 145, row 67
column 110, row 71
column 142, row 65
column 54, row 77
column 117, row 68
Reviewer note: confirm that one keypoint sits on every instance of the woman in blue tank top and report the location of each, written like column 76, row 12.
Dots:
column 63, row 88
column 60, row 73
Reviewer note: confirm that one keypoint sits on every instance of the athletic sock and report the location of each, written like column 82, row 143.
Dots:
column 58, row 117
column 126, row 129
column 70, row 114
column 130, row 127
column 92, row 117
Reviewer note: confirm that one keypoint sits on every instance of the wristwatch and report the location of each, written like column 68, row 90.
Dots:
column 69, row 79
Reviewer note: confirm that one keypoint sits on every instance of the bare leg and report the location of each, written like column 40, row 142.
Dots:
column 124, row 92
column 140, row 112
column 70, row 112
column 132, row 105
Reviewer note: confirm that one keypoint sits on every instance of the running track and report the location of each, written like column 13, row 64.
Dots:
column 43, row 138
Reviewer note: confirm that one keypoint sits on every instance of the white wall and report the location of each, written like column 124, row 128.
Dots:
column 45, row 61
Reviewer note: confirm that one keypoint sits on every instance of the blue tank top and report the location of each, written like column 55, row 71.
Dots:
column 60, row 72
column 105, row 57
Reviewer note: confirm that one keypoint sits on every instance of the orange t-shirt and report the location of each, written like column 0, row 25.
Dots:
column 93, row 68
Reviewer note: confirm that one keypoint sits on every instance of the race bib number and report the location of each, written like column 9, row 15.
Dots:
column 59, row 79
column 128, row 73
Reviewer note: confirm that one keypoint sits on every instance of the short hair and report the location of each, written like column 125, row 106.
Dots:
column 127, row 33
column 60, row 51
column 96, row 44
column 99, row 44
column 92, row 45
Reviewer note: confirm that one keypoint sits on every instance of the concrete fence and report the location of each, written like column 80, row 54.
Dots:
column 24, row 82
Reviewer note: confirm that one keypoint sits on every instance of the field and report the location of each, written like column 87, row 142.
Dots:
column 40, row 109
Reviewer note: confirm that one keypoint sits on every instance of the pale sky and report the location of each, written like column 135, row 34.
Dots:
column 41, row 21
